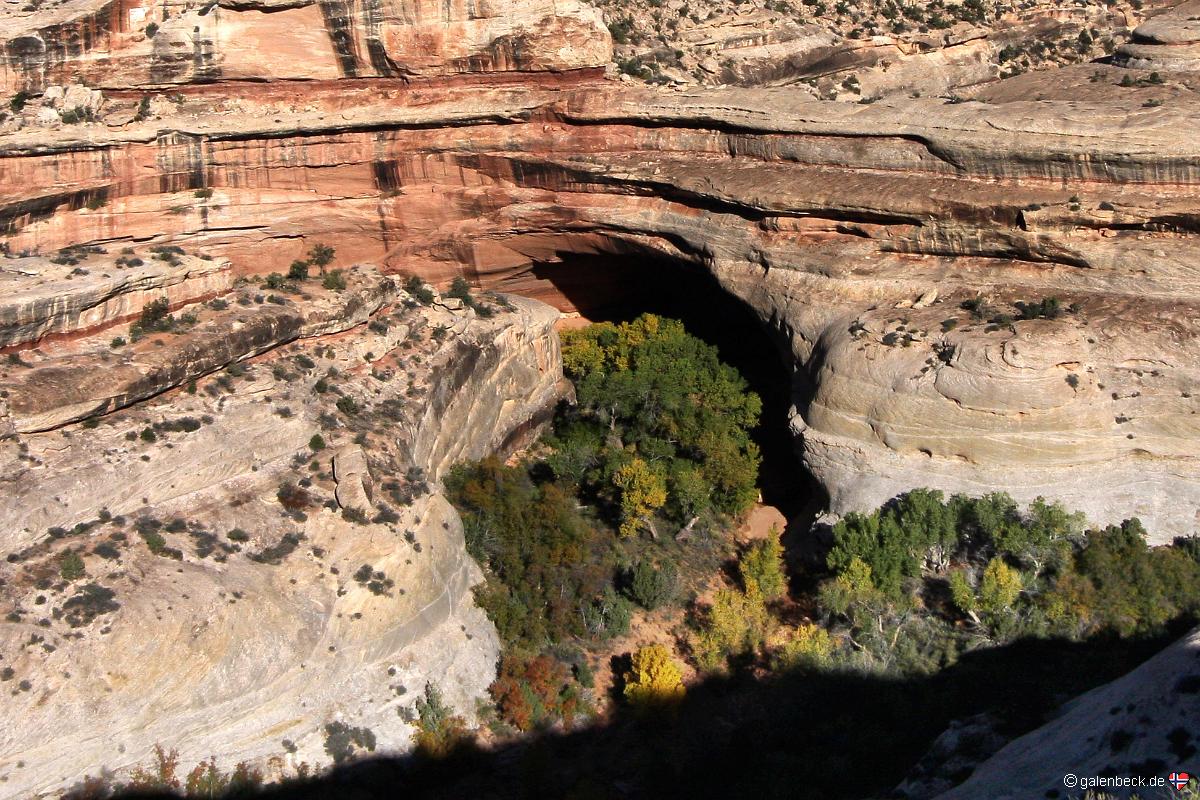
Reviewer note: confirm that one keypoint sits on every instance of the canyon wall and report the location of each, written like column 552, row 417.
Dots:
column 857, row 233
column 994, row 294
column 235, row 474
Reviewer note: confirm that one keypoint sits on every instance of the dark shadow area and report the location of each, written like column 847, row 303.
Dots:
column 618, row 288
column 827, row 735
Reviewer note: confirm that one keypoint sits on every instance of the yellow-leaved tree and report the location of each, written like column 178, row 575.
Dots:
column 654, row 679
column 762, row 563
column 643, row 491
column 807, row 646
column 736, row 623
column 999, row 588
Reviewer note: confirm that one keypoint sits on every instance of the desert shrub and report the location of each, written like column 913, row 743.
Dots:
column 1046, row 308
column 153, row 319
column 107, row 550
column 439, row 729
column 534, row 692
column 461, row 290
column 334, row 280
column 355, row 515
column 276, row 553
column 736, row 624
column 90, row 601
column 147, row 528
column 385, row 515
column 807, row 647
column 293, row 497
column 343, row 742
column 544, row 561
column 207, row 780
column 652, row 586
column 762, row 565
column 71, row 567
column 420, row 292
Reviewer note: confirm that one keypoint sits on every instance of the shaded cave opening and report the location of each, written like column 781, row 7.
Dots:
column 607, row 287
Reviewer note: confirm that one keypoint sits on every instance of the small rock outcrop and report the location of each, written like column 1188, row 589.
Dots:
column 1169, row 42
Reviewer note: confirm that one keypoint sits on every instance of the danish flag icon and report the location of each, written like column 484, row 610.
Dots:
column 1178, row 779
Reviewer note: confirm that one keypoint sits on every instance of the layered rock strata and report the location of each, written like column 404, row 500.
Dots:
column 139, row 44
column 831, row 221
column 42, row 298
column 989, row 295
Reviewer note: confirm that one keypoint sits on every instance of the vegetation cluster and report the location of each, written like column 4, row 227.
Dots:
column 571, row 539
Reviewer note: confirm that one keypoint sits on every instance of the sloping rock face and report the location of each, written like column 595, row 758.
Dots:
column 972, row 296
column 863, row 51
column 1142, row 723
column 222, row 604
column 63, row 298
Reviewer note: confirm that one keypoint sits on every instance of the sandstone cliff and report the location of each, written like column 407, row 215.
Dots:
column 830, row 220
column 136, row 44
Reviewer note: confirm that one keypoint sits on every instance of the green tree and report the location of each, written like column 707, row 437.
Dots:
column 962, row 593
column 71, row 567
column 736, row 623
column 298, row 271
column 805, row 647
column 650, row 385
column 321, row 255
column 999, row 587
column 1117, row 582
column 762, row 565
column 548, row 572
column 653, row 586
column 439, row 729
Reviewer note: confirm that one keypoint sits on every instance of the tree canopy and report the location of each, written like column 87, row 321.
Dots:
column 659, row 416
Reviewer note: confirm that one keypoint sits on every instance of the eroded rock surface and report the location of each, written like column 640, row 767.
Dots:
column 1169, row 41
column 227, row 602
column 123, row 44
